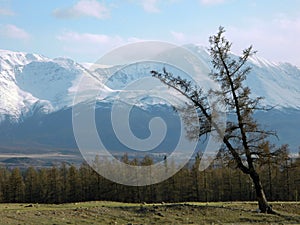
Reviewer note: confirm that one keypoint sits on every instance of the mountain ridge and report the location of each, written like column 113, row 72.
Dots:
column 37, row 92
column 24, row 77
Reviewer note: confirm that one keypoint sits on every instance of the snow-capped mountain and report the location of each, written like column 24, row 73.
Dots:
column 31, row 82
column 14, row 101
column 277, row 83
column 32, row 85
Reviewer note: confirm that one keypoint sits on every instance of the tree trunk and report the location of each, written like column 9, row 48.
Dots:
column 270, row 180
column 263, row 204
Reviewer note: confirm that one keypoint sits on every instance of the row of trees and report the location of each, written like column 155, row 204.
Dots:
column 220, row 182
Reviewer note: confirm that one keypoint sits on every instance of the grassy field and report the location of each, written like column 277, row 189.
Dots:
column 123, row 213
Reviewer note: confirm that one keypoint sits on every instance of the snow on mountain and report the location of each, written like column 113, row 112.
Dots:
column 31, row 82
column 278, row 83
column 14, row 102
column 50, row 80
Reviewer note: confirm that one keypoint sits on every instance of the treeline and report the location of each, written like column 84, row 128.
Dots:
column 220, row 182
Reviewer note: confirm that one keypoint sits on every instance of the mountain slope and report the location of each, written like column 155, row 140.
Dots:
column 36, row 98
column 30, row 82
column 278, row 83
column 14, row 102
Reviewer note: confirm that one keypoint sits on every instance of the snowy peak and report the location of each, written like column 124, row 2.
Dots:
column 278, row 83
column 14, row 102
column 46, row 80
column 9, row 59
column 31, row 82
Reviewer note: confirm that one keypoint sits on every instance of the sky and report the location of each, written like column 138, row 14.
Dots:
column 84, row 30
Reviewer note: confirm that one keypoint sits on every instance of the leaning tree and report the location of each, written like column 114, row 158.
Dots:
column 243, row 136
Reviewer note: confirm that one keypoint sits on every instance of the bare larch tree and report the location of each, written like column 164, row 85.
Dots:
column 243, row 136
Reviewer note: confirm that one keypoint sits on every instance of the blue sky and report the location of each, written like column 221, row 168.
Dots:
column 86, row 29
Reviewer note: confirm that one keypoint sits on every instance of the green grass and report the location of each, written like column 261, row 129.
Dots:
column 127, row 213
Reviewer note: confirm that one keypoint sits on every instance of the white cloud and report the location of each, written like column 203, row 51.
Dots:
column 135, row 39
column 275, row 40
column 6, row 12
column 150, row 6
column 89, row 8
column 92, row 45
column 211, row 2
column 14, row 32
column 85, row 37
column 178, row 36
column 181, row 38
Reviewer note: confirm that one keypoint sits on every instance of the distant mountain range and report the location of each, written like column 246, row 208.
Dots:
column 36, row 99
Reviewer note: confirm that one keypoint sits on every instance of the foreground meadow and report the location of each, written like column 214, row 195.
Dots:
column 126, row 213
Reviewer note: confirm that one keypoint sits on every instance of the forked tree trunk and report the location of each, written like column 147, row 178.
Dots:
column 263, row 204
